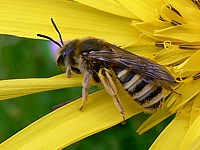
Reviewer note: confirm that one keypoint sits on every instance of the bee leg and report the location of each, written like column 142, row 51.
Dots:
column 86, row 83
column 68, row 72
column 75, row 70
column 62, row 104
column 174, row 91
column 110, row 87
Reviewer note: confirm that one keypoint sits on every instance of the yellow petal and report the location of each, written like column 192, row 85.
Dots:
column 195, row 109
column 172, row 56
column 195, row 144
column 188, row 90
column 169, row 14
column 192, row 134
column 75, row 20
column 186, row 33
column 144, row 50
column 192, row 61
column 189, row 12
column 110, row 6
column 67, row 125
column 154, row 119
column 149, row 28
column 144, row 10
column 20, row 87
column 172, row 136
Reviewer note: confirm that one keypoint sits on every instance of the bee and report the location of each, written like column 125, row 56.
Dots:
column 101, row 61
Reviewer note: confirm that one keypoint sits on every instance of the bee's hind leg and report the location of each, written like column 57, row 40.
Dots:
column 107, row 80
column 172, row 90
column 86, row 84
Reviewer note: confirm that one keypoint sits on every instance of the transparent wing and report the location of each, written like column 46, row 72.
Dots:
column 134, row 62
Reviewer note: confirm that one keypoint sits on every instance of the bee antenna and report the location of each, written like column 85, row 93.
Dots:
column 60, row 36
column 50, row 39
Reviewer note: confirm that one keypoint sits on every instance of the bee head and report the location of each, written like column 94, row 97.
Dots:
column 65, row 54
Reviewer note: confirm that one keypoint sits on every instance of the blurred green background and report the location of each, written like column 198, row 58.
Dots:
column 28, row 58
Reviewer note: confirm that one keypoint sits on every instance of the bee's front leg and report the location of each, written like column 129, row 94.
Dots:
column 68, row 72
column 86, row 84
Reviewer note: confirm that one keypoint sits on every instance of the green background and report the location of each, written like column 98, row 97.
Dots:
column 28, row 58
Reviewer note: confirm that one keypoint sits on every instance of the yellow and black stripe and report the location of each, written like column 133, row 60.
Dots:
column 142, row 89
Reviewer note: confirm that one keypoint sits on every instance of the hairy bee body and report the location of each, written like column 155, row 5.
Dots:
column 101, row 61
column 142, row 78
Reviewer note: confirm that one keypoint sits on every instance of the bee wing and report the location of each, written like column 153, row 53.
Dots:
column 134, row 62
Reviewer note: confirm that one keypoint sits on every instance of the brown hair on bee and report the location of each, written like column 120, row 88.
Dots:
column 99, row 60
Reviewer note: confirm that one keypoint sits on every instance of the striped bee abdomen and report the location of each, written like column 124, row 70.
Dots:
column 144, row 91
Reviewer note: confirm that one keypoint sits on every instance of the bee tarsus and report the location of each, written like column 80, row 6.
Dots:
column 86, row 84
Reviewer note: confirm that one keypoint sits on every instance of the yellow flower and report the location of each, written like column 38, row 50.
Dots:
column 165, row 31
column 176, row 29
